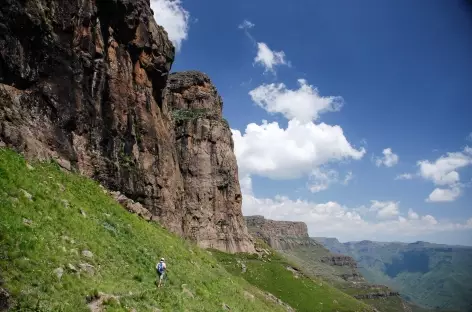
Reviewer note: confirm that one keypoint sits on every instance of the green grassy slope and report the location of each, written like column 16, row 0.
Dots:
column 299, row 291
column 68, row 214
column 309, row 258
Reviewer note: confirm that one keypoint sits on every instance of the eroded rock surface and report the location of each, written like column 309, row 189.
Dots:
column 280, row 235
column 84, row 82
column 340, row 260
column 205, row 153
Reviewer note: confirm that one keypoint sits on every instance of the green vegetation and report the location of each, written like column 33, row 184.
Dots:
column 50, row 219
column 189, row 114
column 126, row 160
column 225, row 122
column 309, row 258
column 276, row 275
column 181, row 115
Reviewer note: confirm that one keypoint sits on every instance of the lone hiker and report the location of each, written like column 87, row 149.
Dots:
column 161, row 271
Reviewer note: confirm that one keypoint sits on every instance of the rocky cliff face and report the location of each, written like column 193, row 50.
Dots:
column 340, row 260
column 207, row 163
column 280, row 235
column 86, row 83
column 277, row 228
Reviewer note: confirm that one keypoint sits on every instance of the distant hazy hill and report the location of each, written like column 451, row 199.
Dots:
column 431, row 275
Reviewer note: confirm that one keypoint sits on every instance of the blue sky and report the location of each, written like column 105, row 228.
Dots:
column 361, row 92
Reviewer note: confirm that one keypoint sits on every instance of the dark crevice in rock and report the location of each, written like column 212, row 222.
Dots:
column 4, row 297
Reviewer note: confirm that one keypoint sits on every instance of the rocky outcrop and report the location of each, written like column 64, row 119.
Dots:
column 280, row 235
column 340, row 260
column 377, row 295
column 84, row 83
column 348, row 264
column 277, row 228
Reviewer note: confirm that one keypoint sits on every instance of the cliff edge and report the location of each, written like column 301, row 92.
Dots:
column 86, row 83
column 280, row 235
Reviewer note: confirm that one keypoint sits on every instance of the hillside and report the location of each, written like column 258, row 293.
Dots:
column 431, row 275
column 272, row 272
column 291, row 240
column 63, row 241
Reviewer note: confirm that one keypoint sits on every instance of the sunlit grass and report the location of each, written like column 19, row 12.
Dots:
column 67, row 214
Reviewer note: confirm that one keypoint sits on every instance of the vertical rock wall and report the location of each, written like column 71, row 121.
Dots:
column 204, row 145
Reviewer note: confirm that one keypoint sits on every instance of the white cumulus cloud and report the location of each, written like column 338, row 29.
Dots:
column 412, row 215
column 245, row 183
column 385, row 210
column 389, row 158
column 304, row 104
column 174, row 18
column 444, row 195
column 271, row 151
column 269, row 58
column 322, row 178
column 443, row 172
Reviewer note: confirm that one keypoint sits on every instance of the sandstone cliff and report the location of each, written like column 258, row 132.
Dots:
column 207, row 163
column 280, row 235
column 84, row 82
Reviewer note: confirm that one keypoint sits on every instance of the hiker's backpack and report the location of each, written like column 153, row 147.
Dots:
column 160, row 267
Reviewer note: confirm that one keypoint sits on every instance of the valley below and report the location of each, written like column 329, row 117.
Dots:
column 434, row 276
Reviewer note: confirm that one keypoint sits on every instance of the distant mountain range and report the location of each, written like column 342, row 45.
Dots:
column 431, row 275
